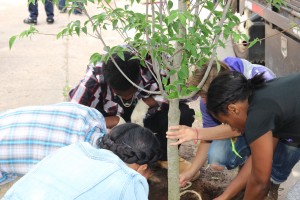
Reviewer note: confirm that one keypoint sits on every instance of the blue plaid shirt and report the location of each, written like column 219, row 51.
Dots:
column 29, row 134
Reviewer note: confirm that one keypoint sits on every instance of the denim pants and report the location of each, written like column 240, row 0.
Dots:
column 34, row 12
column 285, row 157
column 62, row 4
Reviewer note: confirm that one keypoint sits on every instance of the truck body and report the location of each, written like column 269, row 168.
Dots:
column 280, row 30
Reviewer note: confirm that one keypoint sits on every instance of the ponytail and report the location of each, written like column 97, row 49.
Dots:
column 231, row 87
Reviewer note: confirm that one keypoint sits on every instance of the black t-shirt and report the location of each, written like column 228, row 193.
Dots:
column 276, row 108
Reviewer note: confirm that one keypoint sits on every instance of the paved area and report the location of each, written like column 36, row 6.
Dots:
column 37, row 69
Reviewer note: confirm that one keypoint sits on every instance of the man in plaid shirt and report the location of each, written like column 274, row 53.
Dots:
column 107, row 90
column 29, row 134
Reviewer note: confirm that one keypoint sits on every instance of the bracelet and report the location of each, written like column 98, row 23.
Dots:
column 196, row 140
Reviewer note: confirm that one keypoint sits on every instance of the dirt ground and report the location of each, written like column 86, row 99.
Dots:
column 209, row 185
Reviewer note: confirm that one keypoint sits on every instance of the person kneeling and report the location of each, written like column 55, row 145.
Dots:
column 118, row 170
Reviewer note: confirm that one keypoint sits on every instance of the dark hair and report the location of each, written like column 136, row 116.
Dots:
column 230, row 87
column 199, row 73
column 130, row 67
column 132, row 143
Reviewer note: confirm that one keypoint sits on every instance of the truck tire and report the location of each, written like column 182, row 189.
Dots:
column 253, row 28
column 257, row 51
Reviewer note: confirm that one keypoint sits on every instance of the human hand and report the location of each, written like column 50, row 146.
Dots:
column 185, row 177
column 181, row 133
column 139, row 113
column 220, row 198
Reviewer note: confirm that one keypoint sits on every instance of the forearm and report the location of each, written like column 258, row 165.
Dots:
column 216, row 133
column 262, row 156
column 239, row 182
column 184, row 133
column 200, row 157
column 150, row 101
column 256, row 189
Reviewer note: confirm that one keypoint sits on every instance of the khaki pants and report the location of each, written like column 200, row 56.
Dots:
column 5, row 187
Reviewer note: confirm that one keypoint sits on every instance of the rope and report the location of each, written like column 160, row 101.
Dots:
column 184, row 191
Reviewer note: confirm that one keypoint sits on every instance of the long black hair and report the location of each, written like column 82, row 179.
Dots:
column 231, row 87
column 132, row 143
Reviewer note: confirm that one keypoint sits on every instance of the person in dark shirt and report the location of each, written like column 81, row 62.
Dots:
column 105, row 88
column 265, row 112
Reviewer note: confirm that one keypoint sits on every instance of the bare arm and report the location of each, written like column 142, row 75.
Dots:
column 184, row 133
column 262, row 155
column 150, row 101
column 198, row 162
column 238, row 183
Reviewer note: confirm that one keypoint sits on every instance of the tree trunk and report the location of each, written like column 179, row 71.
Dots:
column 173, row 161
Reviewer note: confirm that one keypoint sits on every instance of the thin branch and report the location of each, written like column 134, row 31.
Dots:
column 213, row 51
column 149, row 46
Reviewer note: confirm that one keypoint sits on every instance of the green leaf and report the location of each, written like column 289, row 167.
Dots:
column 114, row 23
column 12, row 41
column 182, row 19
column 184, row 91
column 165, row 81
column 253, row 42
column 210, row 5
column 173, row 95
column 173, row 15
column 193, row 88
column 84, row 29
column 77, row 30
column 170, row 5
column 106, row 48
column 121, row 55
column 172, row 72
column 176, row 27
column 95, row 57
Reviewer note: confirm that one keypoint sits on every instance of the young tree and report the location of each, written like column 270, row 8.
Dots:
column 176, row 35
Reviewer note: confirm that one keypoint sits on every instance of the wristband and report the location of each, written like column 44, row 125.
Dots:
column 196, row 140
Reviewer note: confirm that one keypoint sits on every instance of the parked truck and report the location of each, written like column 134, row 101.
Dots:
column 279, row 29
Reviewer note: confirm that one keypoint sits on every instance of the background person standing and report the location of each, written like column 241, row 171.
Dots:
column 34, row 12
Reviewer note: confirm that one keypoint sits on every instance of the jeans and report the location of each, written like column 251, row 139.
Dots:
column 220, row 153
column 62, row 4
column 285, row 157
column 34, row 12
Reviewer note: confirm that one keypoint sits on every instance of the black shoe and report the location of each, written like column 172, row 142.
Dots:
column 50, row 20
column 30, row 21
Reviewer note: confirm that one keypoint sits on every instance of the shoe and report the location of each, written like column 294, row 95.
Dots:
column 30, row 21
column 183, row 166
column 50, row 20
column 273, row 192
